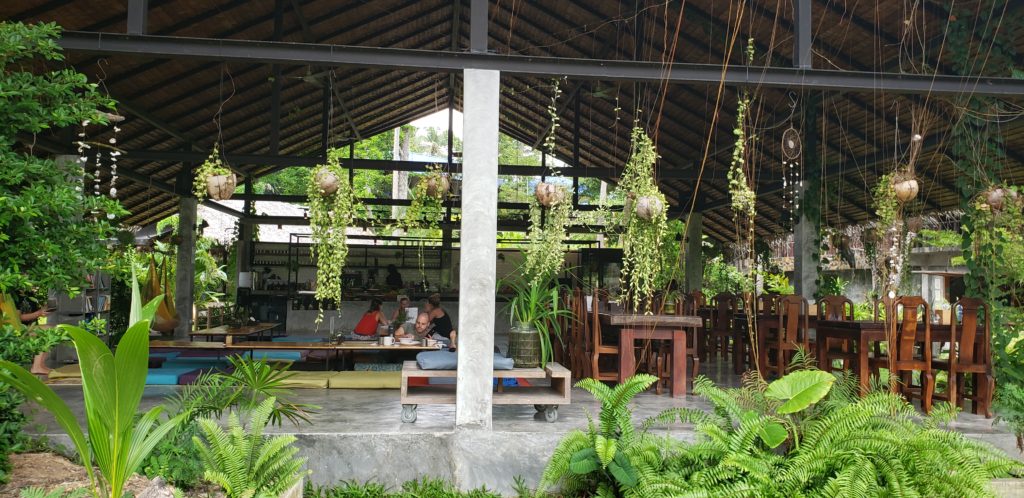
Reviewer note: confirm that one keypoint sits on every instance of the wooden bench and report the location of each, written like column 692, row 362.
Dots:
column 545, row 399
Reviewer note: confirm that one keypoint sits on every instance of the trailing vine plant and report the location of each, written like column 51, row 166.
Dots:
column 426, row 201
column 549, row 139
column 644, row 220
column 330, row 215
column 545, row 252
column 212, row 166
column 743, row 200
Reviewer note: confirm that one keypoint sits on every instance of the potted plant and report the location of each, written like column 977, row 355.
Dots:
column 213, row 178
column 904, row 184
column 535, row 312
column 548, row 194
column 330, row 215
column 669, row 301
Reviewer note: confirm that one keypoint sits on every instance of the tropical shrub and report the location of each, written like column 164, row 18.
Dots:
column 806, row 434
column 247, row 463
column 112, row 384
column 538, row 303
column 423, row 488
column 1009, row 408
column 246, row 387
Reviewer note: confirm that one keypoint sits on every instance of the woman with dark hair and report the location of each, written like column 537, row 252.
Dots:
column 442, row 323
column 368, row 323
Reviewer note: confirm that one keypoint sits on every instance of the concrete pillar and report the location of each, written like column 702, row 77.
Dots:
column 184, row 278
column 694, row 265
column 479, row 231
column 807, row 231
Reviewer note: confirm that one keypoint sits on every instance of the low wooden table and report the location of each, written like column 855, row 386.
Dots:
column 860, row 333
column 545, row 399
column 187, row 344
column 662, row 327
column 229, row 333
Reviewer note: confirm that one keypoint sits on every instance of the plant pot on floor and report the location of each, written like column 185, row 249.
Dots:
column 524, row 346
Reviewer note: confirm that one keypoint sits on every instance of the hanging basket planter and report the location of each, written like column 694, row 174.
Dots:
column 905, row 187
column 549, row 194
column 437, row 185
column 220, row 187
column 1000, row 198
column 649, row 207
column 327, row 181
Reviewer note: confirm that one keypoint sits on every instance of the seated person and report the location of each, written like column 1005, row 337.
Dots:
column 393, row 278
column 368, row 323
column 424, row 328
column 401, row 313
column 442, row 323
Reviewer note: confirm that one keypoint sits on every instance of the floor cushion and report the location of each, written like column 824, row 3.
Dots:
column 377, row 367
column 66, row 372
column 365, row 380
column 276, row 355
column 190, row 377
column 202, row 353
column 164, row 354
column 167, row 376
column 307, row 380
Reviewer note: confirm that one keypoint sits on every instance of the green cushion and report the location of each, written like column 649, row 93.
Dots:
column 366, row 380
column 307, row 380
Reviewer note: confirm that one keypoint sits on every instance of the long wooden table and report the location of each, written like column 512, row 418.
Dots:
column 859, row 334
column 229, row 333
column 342, row 347
column 662, row 327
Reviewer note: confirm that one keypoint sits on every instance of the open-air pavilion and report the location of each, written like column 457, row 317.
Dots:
column 858, row 90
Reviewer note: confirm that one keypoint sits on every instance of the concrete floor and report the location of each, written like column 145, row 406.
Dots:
column 357, row 434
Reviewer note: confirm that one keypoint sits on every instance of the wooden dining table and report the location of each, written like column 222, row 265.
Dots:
column 860, row 334
column 229, row 333
column 662, row 327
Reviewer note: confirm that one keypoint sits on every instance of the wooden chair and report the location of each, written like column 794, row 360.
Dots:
column 720, row 334
column 791, row 334
column 970, row 352
column 911, row 355
column 578, row 341
column 768, row 303
column 598, row 348
column 837, row 308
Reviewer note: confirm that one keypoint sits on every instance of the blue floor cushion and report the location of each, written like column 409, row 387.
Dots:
column 277, row 355
column 166, row 375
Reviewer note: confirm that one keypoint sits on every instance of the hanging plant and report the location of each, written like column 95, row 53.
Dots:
column 904, row 186
column 330, row 215
column 214, row 178
column 644, row 220
column 545, row 253
column 548, row 194
column 427, row 200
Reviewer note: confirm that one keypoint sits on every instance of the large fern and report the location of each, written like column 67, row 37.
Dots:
column 836, row 443
column 249, row 464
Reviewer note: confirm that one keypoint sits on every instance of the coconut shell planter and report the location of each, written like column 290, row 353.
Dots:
column 220, row 187
column 1001, row 198
column 327, row 181
column 437, row 185
column 905, row 187
column 548, row 194
column 649, row 207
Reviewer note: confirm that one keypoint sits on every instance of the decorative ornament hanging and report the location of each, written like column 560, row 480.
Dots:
column 113, row 164
column 792, row 147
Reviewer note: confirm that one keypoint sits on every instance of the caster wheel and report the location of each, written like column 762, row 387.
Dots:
column 408, row 414
column 551, row 413
column 540, row 408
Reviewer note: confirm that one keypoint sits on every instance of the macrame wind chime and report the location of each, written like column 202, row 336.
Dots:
column 791, row 173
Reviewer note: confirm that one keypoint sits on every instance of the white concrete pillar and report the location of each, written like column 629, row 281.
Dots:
column 479, row 231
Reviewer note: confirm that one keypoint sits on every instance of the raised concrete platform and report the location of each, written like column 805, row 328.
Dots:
column 358, row 435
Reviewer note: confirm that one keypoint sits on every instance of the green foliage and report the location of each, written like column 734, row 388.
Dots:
column 538, row 304
column 720, row 276
column 212, row 166
column 245, row 388
column 778, row 283
column 51, row 234
column 112, row 385
column 545, row 253
column 248, row 464
column 329, row 219
column 940, row 238
column 833, row 285
column 806, row 434
column 426, row 209
column 1008, row 344
column 34, row 492
column 641, row 254
column 423, row 488
column 1009, row 408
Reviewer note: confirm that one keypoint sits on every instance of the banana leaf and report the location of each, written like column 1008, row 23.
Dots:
column 9, row 313
column 166, row 318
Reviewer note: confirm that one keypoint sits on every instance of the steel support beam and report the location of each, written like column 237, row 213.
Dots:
column 138, row 16
column 444, row 61
column 802, row 34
